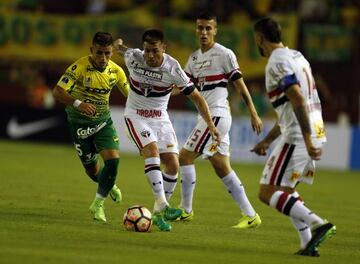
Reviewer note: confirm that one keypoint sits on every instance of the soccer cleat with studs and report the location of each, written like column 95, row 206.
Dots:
column 171, row 213
column 185, row 216
column 319, row 235
column 313, row 253
column 248, row 222
column 115, row 194
column 97, row 208
column 159, row 221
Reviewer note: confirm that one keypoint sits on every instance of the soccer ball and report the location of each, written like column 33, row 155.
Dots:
column 137, row 218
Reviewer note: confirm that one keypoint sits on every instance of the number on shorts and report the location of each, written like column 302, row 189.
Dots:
column 196, row 135
column 78, row 149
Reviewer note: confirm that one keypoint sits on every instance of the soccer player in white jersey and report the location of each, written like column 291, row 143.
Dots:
column 291, row 89
column 153, row 75
column 211, row 68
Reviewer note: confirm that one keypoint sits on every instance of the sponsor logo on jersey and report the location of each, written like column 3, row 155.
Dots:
column 97, row 90
column 95, row 102
column 148, row 113
column 202, row 64
column 148, row 73
column 87, row 132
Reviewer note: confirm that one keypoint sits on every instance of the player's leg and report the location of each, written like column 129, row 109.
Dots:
column 188, row 182
column 282, row 172
column 222, row 167
column 303, row 230
column 107, row 144
column 144, row 135
column 198, row 141
column 170, row 162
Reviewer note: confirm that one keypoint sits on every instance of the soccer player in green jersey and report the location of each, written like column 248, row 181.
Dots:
column 85, row 89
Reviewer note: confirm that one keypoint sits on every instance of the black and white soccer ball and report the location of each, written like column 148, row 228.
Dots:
column 137, row 218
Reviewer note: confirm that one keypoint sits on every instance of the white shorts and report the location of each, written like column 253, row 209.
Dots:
column 144, row 131
column 288, row 164
column 200, row 139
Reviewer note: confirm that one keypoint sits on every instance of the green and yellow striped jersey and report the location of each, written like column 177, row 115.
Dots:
column 85, row 82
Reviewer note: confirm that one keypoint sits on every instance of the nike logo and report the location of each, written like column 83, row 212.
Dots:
column 252, row 220
column 16, row 130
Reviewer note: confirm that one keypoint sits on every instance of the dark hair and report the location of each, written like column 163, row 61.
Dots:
column 103, row 39
column 153, row 35
column 269, row 28
column 206, row 15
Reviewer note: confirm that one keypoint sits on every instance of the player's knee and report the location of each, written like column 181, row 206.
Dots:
column 111, row 167
column 172, row 167
column 264, row 196
column 185, row 158
column 150, row 150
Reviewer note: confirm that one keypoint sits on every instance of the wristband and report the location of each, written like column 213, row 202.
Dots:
column 76, row 103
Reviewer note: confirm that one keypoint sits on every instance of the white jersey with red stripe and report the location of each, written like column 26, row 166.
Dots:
column 151, row 86
column 285, row 68
column 211, row 71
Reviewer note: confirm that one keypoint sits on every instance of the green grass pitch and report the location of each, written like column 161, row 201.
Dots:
column 44, row 217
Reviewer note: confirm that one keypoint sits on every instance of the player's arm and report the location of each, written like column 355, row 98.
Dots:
column 120, row 47
column 65, row 98
column 293, row 93
column 203, row 109
column 256, row 123
column 261, row 147
column 123, row 84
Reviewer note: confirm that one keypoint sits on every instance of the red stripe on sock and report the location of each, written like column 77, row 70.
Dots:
column 282, row 199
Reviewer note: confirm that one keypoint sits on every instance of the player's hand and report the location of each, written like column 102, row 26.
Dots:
column 256, row 124
column 314, row 153
column 261, row 148
column 87, row 108
column 215, row 135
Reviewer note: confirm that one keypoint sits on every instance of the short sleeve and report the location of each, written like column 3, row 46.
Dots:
column 69, row 78
column 231, row 66
column 122, row 84
column 284, row 74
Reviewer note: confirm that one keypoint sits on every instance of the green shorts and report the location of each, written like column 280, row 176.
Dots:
column 92, row 138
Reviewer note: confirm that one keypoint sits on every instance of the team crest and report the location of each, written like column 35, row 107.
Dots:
column 145, row 88
column 201, row 83
column 145, row 133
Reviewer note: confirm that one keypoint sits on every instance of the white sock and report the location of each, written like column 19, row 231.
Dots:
column 237, row 191
column 154, row 176
column 169, row 184
column 288, row 205
column 302, row 228
column 98, row 195
column 188, row 181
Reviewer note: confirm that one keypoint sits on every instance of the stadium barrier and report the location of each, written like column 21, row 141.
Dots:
column 342, row 151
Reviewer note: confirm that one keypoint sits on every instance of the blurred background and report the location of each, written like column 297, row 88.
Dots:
column 40, row 38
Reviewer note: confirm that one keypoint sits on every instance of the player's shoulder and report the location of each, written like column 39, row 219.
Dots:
column 80, row 64
column 284, row 54
column 170, row 62
column 114, row 66
column 222, row 49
